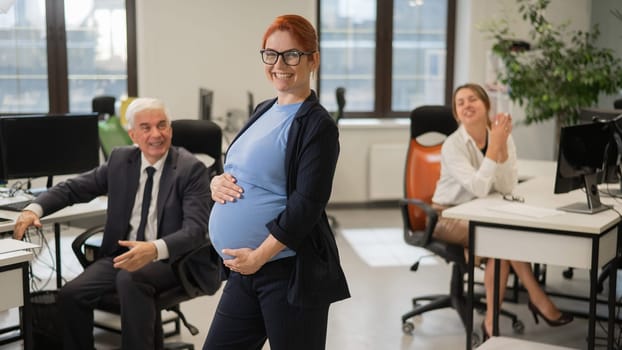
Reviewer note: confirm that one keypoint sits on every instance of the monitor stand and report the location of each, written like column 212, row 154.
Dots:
column 593, row 205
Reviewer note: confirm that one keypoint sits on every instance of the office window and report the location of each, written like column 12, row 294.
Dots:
column 56, row 55
column 23, row 58
column 391, row 56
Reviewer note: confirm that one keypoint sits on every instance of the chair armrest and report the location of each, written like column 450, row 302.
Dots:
column 432, row 219
column 78, row 244
column 208, row 262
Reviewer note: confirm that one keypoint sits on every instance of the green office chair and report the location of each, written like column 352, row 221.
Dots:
column 112, row 134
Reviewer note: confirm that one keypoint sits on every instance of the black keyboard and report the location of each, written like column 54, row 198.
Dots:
column 15, row 206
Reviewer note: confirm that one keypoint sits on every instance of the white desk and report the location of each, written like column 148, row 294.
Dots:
column 504, row 343
column 96, row 207
column 568, row 239
column 16, row 289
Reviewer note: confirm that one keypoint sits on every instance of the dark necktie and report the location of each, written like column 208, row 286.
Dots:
column 140, row 234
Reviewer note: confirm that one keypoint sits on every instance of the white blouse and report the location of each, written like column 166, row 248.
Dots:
column 467, row 174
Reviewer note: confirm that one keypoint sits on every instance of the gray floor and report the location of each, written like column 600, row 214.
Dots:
column 371, row 319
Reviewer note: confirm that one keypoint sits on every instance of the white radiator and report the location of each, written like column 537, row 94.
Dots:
column 386, row 171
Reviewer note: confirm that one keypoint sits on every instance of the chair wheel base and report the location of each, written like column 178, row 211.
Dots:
column 408, row 327
column 178, row 346
column 518, row 326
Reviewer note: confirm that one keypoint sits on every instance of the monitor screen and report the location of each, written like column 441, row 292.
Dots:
column 206, row 100
column 611, row 167
column 581, row 161
column 48, row 145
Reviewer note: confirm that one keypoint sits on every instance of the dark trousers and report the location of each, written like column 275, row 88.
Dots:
column 141, row 329
column 253, row 308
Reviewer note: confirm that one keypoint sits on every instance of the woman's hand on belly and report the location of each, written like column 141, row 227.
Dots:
column 243, row 261
column 224, row 188
column 247, row 261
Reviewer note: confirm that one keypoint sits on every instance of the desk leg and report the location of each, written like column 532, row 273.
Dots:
column 613, row 275
column 469, row 303
column 59, row 274
column 26, row 310
column 591, row 330
column 613, row 282
column 495, row 307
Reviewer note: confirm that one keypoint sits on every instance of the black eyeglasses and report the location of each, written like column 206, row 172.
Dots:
column 290, row 57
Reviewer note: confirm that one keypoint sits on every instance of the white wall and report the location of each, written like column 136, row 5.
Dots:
column 610, row 36
column 183, row 45
column 187, row 44
column 536, row 141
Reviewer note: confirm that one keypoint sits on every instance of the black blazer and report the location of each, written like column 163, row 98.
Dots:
column 310, row 161
column 183, row 202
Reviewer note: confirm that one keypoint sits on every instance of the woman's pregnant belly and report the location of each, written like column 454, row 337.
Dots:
column 242, row 224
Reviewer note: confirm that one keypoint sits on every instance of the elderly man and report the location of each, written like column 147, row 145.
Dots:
column 142, row 237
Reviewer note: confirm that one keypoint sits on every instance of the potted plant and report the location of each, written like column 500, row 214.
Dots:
column 562, row 71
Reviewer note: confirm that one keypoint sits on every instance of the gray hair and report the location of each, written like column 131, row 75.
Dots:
column 141, row 104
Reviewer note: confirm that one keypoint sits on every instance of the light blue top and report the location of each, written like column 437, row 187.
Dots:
column 257, row 160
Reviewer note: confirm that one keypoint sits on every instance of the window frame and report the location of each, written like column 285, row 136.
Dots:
column 384, row 60
column 58, row 82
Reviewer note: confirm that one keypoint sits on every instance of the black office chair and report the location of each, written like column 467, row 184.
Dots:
column 251, row 103
column 168, row 300
column 103, row 105
column 340, row 95
column 200, row 136
column 197, row 136
column 419, row 218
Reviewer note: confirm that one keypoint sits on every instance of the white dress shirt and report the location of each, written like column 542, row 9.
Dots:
column 467, row 174
column 151, row 230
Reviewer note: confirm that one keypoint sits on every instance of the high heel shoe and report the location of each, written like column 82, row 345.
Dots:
column 485, row 335
column 563, row 319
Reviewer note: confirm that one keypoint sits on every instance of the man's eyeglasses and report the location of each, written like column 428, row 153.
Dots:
column 290, row 57
column 161, row 126
column 513, row 198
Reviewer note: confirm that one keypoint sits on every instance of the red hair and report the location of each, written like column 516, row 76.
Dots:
column 299, row 28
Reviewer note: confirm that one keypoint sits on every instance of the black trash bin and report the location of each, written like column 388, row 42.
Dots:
column 47, row 330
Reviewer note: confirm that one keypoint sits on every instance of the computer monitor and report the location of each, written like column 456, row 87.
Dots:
column 581, row 163
column 611, row 168
column 588, row 115
column 48, row 145
column 206, row 100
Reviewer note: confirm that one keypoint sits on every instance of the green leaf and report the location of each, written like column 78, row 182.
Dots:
column 562, row 75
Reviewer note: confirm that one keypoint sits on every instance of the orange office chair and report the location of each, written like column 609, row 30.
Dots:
column 421, row 174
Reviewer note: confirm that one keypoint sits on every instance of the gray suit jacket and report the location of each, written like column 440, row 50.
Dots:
column 183, row 203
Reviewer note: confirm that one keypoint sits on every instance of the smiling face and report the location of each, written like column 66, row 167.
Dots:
column 470, row 109
column 292, row 83
column 152, row 132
